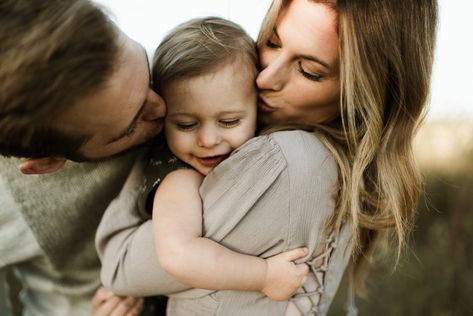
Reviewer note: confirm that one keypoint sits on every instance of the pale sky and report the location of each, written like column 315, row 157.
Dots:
column 147, row 21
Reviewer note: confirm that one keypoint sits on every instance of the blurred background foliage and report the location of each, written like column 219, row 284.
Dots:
column 435, row 274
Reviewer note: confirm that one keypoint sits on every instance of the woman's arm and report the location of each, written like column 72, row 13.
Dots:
column 125, row 244
column 125, row 241
column 177, row 217
column 279, row 211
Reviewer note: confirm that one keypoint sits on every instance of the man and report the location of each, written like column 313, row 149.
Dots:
column 72, row 87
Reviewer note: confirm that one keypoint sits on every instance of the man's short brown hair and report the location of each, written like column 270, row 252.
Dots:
column 52, row 54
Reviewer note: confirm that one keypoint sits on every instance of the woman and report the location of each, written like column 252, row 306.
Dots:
column 354, row 75
column 381, row 81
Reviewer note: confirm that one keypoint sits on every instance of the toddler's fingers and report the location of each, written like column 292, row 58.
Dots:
column 124, row 306
column 304, row 279
column 297, row 253
column 106, row 308
column 302, row 268
column 101, row 295
column 136, row 309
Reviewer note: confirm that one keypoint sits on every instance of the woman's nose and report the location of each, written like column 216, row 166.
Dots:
column 272, row 76
column 155, row 108
column 208, row 137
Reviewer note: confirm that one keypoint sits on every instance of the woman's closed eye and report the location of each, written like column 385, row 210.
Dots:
column 229, row 123
column 271, row 44
column 307, row 74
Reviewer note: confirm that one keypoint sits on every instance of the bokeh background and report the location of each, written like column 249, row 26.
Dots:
column 435, row 274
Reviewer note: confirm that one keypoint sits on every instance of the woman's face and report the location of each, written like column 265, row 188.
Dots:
column 299, row 81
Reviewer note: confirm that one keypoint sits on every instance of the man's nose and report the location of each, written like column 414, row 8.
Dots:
column 156, row 108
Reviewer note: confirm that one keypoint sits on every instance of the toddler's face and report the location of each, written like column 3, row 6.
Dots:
column 124, row 114
column 210, row 115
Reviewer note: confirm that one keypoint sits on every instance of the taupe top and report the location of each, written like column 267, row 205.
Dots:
column 273, row 194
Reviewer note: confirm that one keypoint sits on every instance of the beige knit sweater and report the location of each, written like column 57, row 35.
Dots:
column 63, row 210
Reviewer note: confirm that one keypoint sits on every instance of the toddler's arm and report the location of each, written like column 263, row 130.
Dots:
column 203, row 263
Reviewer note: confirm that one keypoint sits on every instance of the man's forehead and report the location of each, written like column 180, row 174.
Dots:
column 131, row 48
column 132, row 72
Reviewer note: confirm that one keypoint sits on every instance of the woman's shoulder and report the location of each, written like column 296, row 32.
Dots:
column 299, row 140
column 296, row 151
column 285, row 141
column 304, row 150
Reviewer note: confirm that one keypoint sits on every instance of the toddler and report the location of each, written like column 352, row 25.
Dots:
column 205, row 70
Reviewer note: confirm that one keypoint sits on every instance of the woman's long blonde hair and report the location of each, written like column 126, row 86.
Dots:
column 386, row 56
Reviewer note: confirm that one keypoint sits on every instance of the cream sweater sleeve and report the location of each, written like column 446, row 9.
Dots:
column 273, row 194
column 124, row 238
column 284, row 198
column 125, row 244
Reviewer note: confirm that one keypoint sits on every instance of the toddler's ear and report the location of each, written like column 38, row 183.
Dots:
column 42, row 165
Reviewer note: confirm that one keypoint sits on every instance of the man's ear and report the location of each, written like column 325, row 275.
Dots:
column 42, row 165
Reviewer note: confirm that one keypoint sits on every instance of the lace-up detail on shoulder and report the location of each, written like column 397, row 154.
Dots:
column 306, row 301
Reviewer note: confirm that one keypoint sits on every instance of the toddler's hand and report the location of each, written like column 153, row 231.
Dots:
column 106, row 303
column 283, row 276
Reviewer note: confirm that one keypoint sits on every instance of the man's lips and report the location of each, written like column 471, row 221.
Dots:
column 211, row 161
column 265, row 107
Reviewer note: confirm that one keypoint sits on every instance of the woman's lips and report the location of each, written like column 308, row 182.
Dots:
column 211, row 161
column 264, row 107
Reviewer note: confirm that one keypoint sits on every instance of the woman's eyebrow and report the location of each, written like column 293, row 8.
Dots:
column 275, row 31
column 305, row 56
column 315, row 59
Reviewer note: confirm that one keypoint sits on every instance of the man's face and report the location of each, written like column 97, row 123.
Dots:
column 124, row 114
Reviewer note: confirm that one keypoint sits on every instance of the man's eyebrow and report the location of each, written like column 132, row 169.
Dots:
column 130, row 126
column 308, row 57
